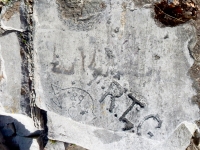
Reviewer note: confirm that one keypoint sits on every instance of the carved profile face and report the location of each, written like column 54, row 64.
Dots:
column 73, row 102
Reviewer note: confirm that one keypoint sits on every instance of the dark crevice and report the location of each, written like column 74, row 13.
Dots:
column 28, row 94
column 42, row 140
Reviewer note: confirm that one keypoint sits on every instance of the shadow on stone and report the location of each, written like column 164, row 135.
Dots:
column 13, row 134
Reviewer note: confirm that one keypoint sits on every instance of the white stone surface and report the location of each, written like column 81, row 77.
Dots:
column 94, row 138
column 89, row 136
column 76, row 65
column 10, row 83
column 98, row 52
column 54, row 145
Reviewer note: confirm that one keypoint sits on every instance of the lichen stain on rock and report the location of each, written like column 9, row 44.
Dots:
column 195, row 71
column 123, row 19
column 69, row 146
column 11, row 11
column 2, row 76
column 196, row 99
column 80, row 14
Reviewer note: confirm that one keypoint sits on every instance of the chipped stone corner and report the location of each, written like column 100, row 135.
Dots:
column 180, row 138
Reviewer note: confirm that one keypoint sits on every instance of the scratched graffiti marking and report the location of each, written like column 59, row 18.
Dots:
column 73, row 102
column 128, row 126
column 60, row 69
column 78, row 104
column 155, row 117
column 97, row 72
column 115, row 90
column 80, row 14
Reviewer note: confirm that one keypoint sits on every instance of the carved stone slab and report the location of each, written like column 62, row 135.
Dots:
column 108, row 64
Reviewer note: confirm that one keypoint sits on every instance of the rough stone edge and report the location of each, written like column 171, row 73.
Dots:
column 38, row 115
column 179, row 138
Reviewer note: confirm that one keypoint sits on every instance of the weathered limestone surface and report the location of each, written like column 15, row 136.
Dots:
column 10, row 73
column 81, row 70
column 178, row 140
column 101, row 74
column 89, row 136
